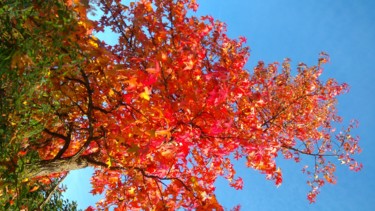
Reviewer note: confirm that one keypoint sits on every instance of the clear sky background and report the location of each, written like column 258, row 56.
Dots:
column 299, row 30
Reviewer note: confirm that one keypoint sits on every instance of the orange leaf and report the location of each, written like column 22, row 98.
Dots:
column 35, row 188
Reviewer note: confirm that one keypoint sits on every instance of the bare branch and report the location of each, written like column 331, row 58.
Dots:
column 44, row 202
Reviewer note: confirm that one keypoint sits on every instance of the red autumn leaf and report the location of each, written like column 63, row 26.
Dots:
column 237, row 184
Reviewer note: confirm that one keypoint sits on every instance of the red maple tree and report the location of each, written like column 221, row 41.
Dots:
column 168, row 109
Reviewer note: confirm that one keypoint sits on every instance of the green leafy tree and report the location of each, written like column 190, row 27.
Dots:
column 28, row 39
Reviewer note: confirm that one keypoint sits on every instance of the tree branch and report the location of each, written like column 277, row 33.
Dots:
column 44, row 202
column 66, row 144
column 58, row 135
column 306, row 153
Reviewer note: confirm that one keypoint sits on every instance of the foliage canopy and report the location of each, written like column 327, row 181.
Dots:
column 161, row 114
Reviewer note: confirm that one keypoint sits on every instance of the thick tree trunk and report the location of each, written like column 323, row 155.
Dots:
column 47, row 167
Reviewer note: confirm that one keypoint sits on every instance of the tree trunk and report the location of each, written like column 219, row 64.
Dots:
column 47, row 167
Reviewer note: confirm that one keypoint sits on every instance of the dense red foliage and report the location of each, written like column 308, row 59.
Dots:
column 162, row 113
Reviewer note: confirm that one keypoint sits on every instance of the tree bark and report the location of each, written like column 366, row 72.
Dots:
column 47, row 167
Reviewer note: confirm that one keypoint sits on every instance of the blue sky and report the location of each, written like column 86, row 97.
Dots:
column 300, row 30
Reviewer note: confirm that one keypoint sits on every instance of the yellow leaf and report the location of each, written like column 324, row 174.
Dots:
column 146, row 94
column 131, row 190
column 109, row 163
column 111, row 93
column 194, row 181
column 163, row 133
column 93, row 43
column 81, row 23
